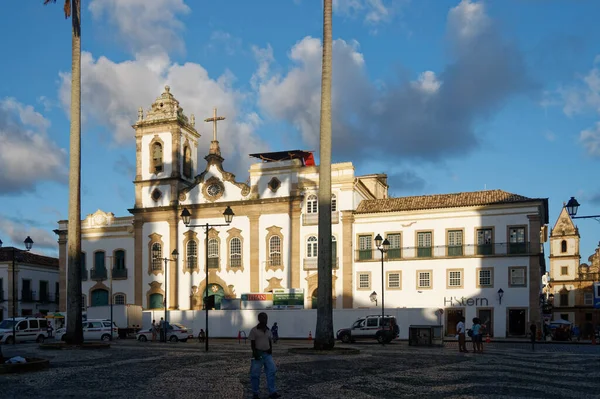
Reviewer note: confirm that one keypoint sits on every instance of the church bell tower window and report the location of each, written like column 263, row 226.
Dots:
column 157, row 157
column 187, row 161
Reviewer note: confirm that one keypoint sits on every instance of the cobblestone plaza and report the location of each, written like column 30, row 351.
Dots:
column 131, row 369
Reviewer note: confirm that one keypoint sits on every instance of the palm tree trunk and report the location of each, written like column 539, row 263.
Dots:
column 324, row 338
column 74, row 317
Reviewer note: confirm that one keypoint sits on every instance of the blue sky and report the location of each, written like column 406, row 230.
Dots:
column 444, row 96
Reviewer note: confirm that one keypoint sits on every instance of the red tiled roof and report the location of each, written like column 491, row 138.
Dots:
column 22, row 256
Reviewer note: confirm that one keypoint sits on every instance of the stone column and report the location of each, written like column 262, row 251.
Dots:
column 138, row 243
column 347, row 260
column 62, row 270
column 295, row 240
column 254, row 253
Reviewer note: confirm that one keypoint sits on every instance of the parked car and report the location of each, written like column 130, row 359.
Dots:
column 27, row 329
column 370, row 327
column 175, row 332
column 94, row 329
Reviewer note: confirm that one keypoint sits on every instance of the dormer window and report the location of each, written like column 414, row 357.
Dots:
column 157, row 157
column 187, row 161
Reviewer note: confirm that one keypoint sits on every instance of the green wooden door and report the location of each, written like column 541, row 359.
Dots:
column 156, row 301
column 218, row 292
column 99, row 297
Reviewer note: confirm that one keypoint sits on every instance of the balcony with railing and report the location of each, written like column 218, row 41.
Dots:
column 44, row 297
column 118, row 274
column 27, row 296
column 98, row 274
column 213, row 263
column 312, row 263
column 312, row 219
column 449, row 251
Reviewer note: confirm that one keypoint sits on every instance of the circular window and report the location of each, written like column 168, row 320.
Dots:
column 214, row 190
column 156, row 194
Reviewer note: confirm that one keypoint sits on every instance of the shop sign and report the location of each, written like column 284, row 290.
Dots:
column 462, row 301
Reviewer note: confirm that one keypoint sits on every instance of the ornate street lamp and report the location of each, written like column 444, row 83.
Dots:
column 572, row 208
column 186, row 217
column 373, row 297
column 382, row 246
column 500, row 295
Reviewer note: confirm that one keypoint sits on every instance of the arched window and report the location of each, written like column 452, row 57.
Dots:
column 312, row 247
column 235, row 252
column 213, row 253
column 333, row 203
column 192, row 255
column 187, row 161
column 563, row 246
column 99, row 263
column 119, row 299
column 156, row 260
column 312, row 204
column 157, row 157
column 119, row 259
column 275, row 251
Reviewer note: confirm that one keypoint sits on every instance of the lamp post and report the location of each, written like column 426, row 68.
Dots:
column 186, row 216
column 572, row 207
column 28, row 244
column 382, row 246
column 111, row 295
column 500, row 295
column 156, row 252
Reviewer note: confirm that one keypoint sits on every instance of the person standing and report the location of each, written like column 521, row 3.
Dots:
column 477, row 339
column 533, row 332
column 275, row 332
column 460, row 331
column 154, row 330
column 201, row 336
column 262, row 350
column 162, row 326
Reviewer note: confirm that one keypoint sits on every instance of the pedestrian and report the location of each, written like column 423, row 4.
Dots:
column 460, row 331
column 275, row 332
column 262, row 350
column 161, row 326
column 533, row 332
column 154, row 330
column 201, row 336
column 477, row 339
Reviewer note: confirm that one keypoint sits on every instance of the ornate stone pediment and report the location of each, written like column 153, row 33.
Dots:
column 564, row 225
column 99, row 219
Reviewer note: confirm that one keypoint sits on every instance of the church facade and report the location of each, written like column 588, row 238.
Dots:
column 468, row 254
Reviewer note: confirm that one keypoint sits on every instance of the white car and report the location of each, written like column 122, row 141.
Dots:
column 26, row 329
column 94, row 330
column 175, row 332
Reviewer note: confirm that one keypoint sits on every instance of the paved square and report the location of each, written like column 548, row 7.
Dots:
column 183, row 370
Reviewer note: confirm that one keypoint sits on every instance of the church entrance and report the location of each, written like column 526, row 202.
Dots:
column 99, row 297
column 218, row 292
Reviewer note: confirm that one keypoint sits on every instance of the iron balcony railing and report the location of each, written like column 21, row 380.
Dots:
column 44, row 297
column 27, row 295
column 213, row 263
column 98, row 274
column 311, row 219
column 449, row 251
column 312, row 263
column 119, row 273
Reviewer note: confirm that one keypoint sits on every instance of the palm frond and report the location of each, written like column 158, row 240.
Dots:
column 66, row 8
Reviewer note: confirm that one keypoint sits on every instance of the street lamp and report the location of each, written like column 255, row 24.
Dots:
column 382, row 246
column 373, row 297
column 156, row 252
column 500, row 295
column 28, row 244
column 186, row 216
column 572, row 208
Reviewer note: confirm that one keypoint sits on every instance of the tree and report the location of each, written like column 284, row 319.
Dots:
column 324, row 338
column 74, row 333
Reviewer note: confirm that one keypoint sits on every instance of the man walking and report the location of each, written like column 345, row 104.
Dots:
column 262, row 350
column 460, row 331
column 533, row 332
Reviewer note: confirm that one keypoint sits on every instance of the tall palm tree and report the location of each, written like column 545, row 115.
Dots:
column 324, row 332
column 74, row 333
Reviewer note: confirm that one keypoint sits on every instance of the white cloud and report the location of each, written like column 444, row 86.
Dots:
column 112, row 92
column 590, row 139
column 149, row 26
column 374, row 12
column 431, row 117
column 28, row 155
column 16, row 233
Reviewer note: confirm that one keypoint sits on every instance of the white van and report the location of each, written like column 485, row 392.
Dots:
column 27, row 329
column 94, row 329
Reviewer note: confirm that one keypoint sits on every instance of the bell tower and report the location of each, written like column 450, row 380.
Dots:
column 166, row 152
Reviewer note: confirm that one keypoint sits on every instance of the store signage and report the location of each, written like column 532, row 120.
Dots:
column 462, row 301
column 288, row 298
column 256, row 301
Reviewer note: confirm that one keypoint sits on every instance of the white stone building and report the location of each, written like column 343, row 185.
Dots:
column 271, row 242
column 36, row 277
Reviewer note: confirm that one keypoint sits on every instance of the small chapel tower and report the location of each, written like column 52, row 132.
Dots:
column 166, row 152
